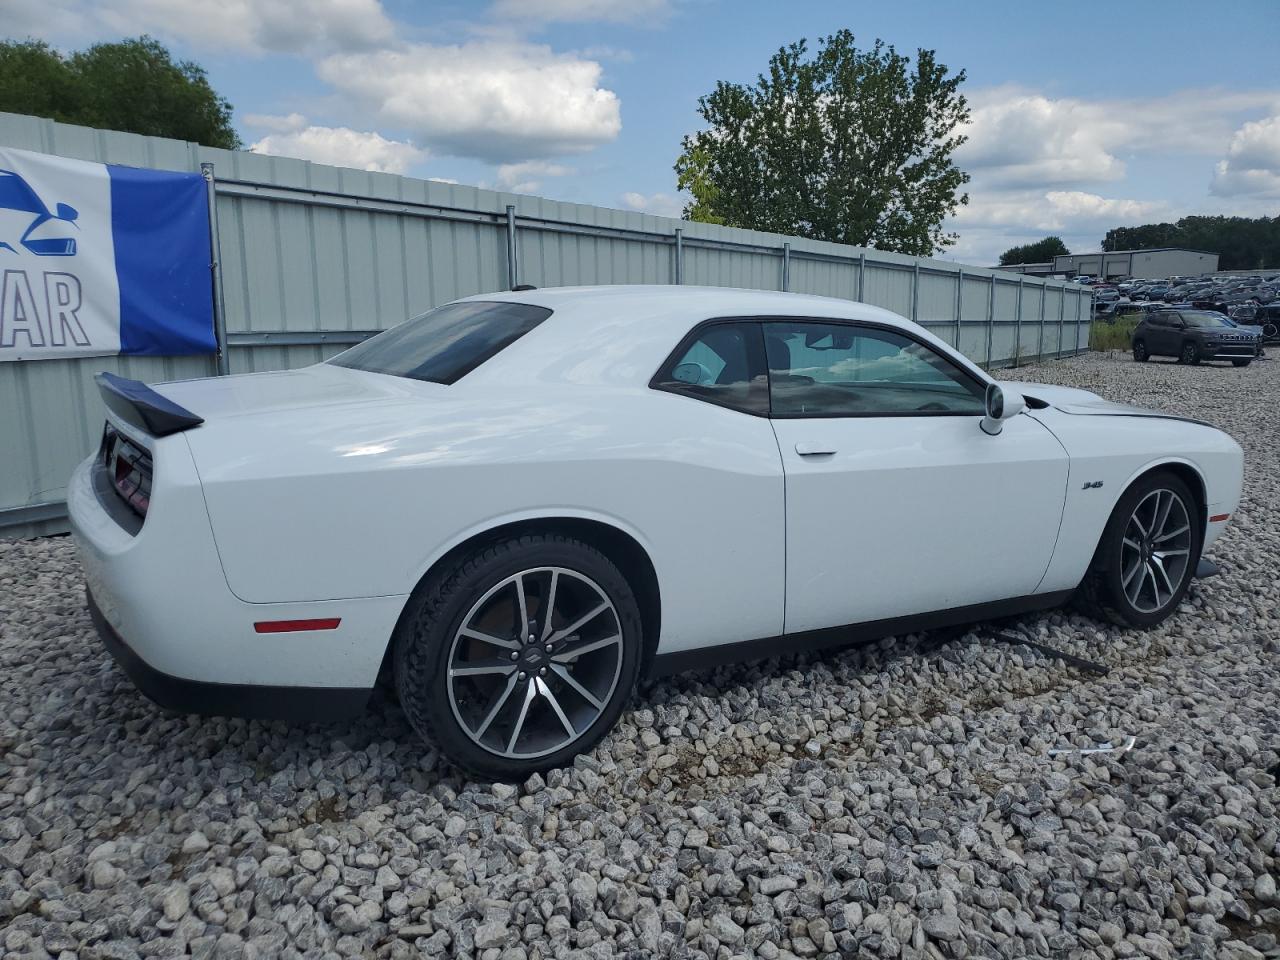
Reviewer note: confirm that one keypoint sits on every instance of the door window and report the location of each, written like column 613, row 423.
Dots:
column 720, row 363
column 840, row 370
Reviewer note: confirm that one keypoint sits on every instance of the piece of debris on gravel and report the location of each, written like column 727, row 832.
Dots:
column 897, row 800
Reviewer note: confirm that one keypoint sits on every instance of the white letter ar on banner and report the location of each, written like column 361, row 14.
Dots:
column 18, row 316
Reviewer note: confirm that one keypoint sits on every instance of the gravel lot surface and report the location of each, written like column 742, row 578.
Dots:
column 893, row 801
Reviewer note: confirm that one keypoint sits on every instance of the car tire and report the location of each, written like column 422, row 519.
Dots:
column 498, row 703
column 1140, row 354
column 1123, row 556
column 1190, row 355
column 1270, row 331
column 1241, row 363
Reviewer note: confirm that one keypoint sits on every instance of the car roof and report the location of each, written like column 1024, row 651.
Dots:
column 621, row 333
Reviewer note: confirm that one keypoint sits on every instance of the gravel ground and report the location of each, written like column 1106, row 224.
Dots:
column 893, row 801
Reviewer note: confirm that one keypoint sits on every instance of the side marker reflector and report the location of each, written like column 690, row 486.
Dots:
column 296, row 626
column 1218, row 518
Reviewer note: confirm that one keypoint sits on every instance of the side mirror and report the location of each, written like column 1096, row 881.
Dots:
column 999, row 408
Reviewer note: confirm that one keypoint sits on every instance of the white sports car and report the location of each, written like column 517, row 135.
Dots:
column 520, row 503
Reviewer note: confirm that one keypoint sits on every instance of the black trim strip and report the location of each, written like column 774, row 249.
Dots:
column 228, row 699
column 681, row 661
column 137, row 404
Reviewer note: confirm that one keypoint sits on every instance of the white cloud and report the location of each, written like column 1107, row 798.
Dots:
column 524, row 177
column 1054, row 210
column 582, row 11
column 249, row 26
column 499, row 101
column 1252, row 164
column 1020, row 138
column 659, row 204
column 338, row 146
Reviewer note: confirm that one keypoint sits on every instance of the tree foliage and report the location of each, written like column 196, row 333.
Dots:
column 133, row 85
column 1242, row 243
column 1042, row 251
column 848, row 145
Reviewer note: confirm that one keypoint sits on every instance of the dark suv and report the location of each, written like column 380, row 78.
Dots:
column 1192, row 336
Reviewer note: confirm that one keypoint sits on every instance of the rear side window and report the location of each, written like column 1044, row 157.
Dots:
column 445, row 344
column 721, row 363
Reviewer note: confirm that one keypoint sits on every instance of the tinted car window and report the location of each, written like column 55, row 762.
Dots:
column 721, row 363
column 1203, row 319
column 818, row 369
column 446, row 343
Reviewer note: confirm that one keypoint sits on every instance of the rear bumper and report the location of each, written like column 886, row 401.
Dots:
column 227, row 699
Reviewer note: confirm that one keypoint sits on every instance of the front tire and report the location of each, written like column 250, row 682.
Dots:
column 1140, row 351
column 1147, row 556
column 520, row 657
column 1241, row 363
column 1190, row 355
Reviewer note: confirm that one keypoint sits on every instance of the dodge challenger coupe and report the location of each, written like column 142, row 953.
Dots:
column 519, row 504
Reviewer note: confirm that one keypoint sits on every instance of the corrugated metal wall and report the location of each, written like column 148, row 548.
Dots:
column 315, row 257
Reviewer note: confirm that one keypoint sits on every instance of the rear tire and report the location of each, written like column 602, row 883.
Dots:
column 1140, row 354
column 1161, row 563
column 1241, row 363
column 1190, row 355
column 473, row 672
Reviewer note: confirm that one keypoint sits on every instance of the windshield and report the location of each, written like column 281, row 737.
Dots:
column 445, row 344
column 1203, row 318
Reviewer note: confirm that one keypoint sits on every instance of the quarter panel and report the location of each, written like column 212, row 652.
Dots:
column 360, row 504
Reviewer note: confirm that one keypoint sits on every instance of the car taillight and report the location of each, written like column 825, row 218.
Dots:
column 130, row 469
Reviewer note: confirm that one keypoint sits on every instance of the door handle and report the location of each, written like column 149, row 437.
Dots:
column 813, row 448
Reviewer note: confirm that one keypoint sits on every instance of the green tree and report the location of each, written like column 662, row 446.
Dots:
column 133, row 85
column 1042, row 251
column 848, row 145
column 1241, row 243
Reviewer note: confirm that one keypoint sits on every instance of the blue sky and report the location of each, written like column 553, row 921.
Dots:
column 1085, row 116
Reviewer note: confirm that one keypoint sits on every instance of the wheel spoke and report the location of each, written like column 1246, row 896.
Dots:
column 1137, row 565
column 1164, row 574
column 1132, row 544
column 1138, row 523
column 1162, row 513
column 1169, row 536
column 488, row 638
column 549, row 606
column 524, row 607
column 563, row 673
column 501, row 701
column 1133, row 592
column 530, row 691
column 476, row 668
column 566, row 655
column 555, row 705
column 579, row 623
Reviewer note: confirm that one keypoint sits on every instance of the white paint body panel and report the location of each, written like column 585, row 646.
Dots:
column 331, row 492
column 913, row 514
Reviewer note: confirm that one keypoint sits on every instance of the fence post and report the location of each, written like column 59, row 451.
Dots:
column 513, row 272
column 959, row 304
column 1062, row 313
column 1017, row 330
column 991, row 317
column 786, row 267
column 1040, row 348
column 215, row 269
column 1079, row 302
column 862, row 277
column 915, row 292
column 679, row 255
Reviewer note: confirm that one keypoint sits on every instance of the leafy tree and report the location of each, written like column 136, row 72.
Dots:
column 133, row 85
column 1242, row 243
column 1042, row 251
column 848, row 145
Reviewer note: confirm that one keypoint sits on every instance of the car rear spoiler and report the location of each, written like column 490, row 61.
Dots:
column 137, row 404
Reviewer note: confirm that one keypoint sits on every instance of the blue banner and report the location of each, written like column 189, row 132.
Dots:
column 100, row 259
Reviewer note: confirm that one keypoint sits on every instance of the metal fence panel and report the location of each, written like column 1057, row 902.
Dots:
column 314, row 257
